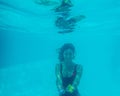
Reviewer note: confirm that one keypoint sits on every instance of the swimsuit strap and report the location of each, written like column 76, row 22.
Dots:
column 74, row 72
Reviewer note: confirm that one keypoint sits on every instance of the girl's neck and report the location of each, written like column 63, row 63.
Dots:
column 68, row 65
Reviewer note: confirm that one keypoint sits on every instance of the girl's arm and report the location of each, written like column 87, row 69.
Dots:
column 78, row 76
column 58, row 78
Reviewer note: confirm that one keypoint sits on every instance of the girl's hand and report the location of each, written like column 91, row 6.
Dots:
column 61, row 92
column 70, row 88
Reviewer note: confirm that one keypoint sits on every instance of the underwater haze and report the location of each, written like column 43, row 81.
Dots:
column 29, row 42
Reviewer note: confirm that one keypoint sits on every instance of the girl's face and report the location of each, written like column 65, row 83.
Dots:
column 68, row 55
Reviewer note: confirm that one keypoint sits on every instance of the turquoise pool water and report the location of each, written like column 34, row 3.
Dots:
column 29, row 41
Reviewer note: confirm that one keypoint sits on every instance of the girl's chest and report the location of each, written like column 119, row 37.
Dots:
column 67, row 73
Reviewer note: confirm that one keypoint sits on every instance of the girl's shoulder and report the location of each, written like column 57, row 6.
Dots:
column 58, row 65
column 79, row 67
